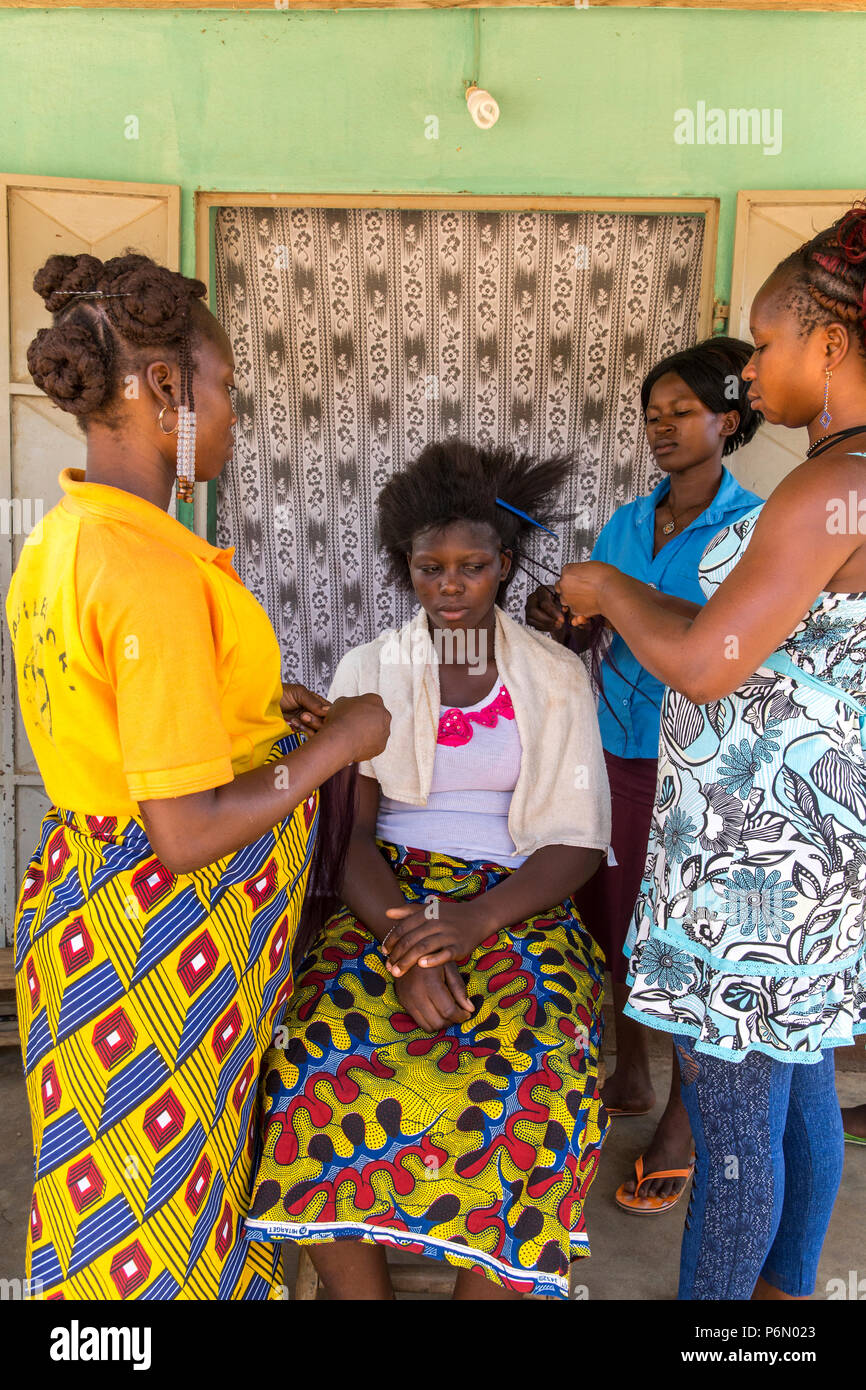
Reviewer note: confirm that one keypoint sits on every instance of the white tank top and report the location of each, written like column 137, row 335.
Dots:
column 475, row 770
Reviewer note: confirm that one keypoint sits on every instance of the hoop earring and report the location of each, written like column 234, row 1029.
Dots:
column 161, row 425
column 825, row 417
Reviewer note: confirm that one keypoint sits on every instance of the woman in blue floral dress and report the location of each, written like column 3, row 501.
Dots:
column 748, row 942
column 757, row 850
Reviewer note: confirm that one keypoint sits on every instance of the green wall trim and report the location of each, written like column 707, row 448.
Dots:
column 348, row 101
column 342, row 101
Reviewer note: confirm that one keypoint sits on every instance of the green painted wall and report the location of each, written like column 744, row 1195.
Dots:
column 337, row 101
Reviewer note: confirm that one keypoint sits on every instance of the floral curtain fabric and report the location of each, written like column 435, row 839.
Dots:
column 359, row 334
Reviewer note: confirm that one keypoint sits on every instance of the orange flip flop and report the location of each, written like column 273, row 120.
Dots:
column 652, row 1206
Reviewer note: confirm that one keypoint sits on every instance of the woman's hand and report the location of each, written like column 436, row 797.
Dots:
column 363, row 721
column 302, row 710
column 433, row 933
column 545, row 613
column 435, row 999
column 580, row 588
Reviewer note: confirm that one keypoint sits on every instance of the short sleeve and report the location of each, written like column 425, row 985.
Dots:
column 157, row 631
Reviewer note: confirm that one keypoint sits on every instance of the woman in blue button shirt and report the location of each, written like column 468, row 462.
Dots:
column 696, row 412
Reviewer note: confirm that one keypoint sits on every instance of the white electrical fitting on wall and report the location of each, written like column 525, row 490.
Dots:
column 482, row 107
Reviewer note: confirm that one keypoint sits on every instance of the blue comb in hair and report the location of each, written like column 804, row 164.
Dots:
column 531, row 519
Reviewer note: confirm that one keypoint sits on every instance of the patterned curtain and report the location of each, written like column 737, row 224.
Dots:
column 360, row 334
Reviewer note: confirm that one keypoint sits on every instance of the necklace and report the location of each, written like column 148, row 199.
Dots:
column 826, row 440
column 670, row 526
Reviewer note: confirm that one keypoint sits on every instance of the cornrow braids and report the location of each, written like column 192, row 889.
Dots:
column 104, row 315
column 453, row 481
column 827, row 276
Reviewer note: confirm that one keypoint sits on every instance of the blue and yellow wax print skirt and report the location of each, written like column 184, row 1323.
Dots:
column 476, row 1145
column 146, row 1002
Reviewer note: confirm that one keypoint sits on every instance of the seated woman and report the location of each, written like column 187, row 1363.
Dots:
column 436, row 1084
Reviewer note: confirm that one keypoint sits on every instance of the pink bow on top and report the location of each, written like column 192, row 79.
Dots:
column 455, row 728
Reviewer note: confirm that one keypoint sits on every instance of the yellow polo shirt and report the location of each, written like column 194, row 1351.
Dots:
column 145, row 668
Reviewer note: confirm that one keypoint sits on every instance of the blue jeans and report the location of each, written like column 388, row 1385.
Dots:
column 768, row 1145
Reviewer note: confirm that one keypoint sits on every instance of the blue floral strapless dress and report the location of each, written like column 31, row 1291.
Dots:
column 748, row 933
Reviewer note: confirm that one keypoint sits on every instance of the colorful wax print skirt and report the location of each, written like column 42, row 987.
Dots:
column 476, row 1145
column 147, row 1000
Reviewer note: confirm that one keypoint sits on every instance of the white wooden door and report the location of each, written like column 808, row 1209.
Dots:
column 40, row 217
column 770, row 225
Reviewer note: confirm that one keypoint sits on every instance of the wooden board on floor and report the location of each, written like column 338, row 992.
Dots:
column 8, row 1010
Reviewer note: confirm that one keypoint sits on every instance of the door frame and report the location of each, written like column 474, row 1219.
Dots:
column 751, row 198
column 11, row 778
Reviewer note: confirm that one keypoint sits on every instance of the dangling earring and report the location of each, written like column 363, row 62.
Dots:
column 185, row 453
column 161, row 425
column 825, row 417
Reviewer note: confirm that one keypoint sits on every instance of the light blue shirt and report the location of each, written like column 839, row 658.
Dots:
column 627, row 542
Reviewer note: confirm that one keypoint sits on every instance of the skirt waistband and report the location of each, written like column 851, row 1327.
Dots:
column 122, row 830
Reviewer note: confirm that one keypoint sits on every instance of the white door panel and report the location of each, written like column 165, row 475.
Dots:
column 40, row 217
column 770, row 225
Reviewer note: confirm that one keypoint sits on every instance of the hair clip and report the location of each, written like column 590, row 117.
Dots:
column 531, row 519
column 97, row 294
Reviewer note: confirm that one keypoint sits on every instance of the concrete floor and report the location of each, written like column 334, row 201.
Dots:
column 637, row 1257
column 633, row 1257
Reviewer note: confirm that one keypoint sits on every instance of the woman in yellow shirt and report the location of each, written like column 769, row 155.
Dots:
column 155, row 924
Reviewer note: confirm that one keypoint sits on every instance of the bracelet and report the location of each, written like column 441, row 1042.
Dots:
column 389, row 933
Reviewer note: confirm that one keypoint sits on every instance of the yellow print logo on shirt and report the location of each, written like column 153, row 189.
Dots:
column 41, row 658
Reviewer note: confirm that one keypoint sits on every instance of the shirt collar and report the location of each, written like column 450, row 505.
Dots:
column 730, row 497
column 99, row 499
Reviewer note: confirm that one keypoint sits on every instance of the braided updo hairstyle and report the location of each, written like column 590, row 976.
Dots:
column 106, row 315
column 827, row 277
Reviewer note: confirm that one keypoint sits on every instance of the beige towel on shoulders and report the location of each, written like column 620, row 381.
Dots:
column 562, row 795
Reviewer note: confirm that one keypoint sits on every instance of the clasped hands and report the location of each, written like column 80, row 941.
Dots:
column 421, row 952
column 302, row 709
